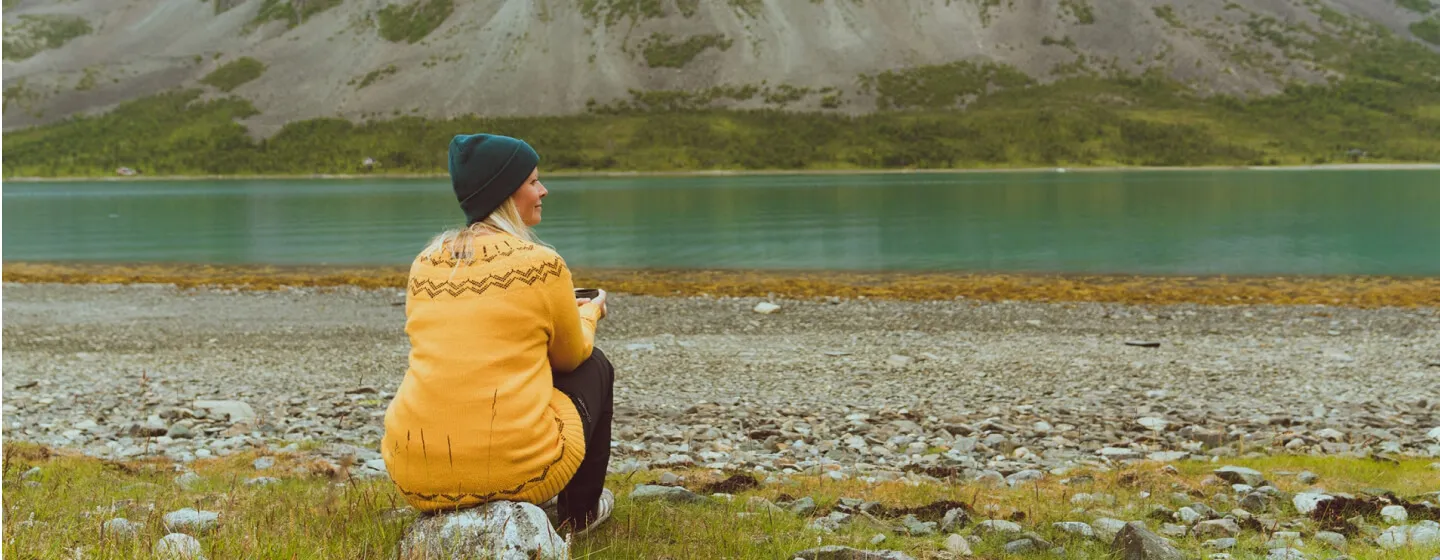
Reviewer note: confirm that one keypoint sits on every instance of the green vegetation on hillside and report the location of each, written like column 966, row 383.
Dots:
column 1080, row 9
column 411, row 23
column 1388, row 107
column 36, row 33
column 1427, row 29
column 375, row 76
column 1422, row 6
column 612, row 12
column 234, row 73
column 292, row 12
column 662, row 52
column 940, row 86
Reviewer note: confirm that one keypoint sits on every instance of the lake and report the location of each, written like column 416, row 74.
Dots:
column 1239, row 222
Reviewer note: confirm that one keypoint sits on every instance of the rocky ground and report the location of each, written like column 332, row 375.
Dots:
column 857, row 388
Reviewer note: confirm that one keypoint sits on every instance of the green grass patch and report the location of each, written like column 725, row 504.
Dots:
column 288, row 12
column 1427, row 29
column 1080, row 10
column 1166, row 13
column 234, row 73
column 413, row 22
column 36, row 33
column 374, row 76
column 942, row 86
column 662, row 51
column 611, row 12
column 316, row 512
column 1421, row 6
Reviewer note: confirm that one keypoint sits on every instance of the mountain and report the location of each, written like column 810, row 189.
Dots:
column 362, row 59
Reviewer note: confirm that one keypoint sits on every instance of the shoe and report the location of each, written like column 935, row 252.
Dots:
column 602, row 511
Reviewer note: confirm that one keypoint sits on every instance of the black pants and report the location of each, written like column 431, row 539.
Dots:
column 592, row 387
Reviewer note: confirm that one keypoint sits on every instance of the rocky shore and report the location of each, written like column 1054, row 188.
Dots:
column 844, row 388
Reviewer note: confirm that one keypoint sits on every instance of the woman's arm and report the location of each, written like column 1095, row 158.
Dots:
column 573, row 332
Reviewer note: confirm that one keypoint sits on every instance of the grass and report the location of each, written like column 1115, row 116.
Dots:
column 285, row 10
column 315, row 513
column 1427, row 29
column 36, row 33
column 1348, row 292
column 661, row 51
column 413, row 22
column 234, row 73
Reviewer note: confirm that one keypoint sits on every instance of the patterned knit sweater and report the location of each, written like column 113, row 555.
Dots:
column 477, row 418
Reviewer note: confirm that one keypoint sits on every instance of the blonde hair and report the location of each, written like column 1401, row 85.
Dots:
column 459, row 244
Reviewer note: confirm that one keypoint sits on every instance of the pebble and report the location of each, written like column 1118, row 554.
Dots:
column 262, row 481
column 803, row 507
column 1220, row 544
column 263, row 463
column 836, row 552
column 32, row 472
column 1217, row 528
column 1106, row 528
column 766, row 308
column 1307, row 477
column 917, row 528
column 1024, row 476
column 1286, row 554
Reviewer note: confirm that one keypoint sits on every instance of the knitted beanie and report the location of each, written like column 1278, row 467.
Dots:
column 485, row 169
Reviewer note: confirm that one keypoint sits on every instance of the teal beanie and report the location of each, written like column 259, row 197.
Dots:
column 486, row 169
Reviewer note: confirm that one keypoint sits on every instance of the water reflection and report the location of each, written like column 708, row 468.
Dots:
column 1143, row 222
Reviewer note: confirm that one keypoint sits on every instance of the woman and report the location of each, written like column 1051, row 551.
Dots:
column 506, row 397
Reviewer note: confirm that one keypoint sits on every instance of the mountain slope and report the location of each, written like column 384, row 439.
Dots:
column 359, row 59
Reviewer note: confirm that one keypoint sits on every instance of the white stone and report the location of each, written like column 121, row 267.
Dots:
column 238, row 412
column 1075, row 528
column 1394, row 515
column 264, row 463
column 997, row 526
column 497, row 530
column 1187, row 515
column 896, row 360
column 1153, row 423
column 1306, row 502
column 1286, row 554
column 1331, row 434
column 1434, row 433
column 178, row 546
column 1106, row 528
column 119, row 528
column 957, row 545
column 766, row 308
column 1168, row 456
column 189, row 519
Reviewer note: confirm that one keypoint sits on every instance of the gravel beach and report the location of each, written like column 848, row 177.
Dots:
column 853, row 388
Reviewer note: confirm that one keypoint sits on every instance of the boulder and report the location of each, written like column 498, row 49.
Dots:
column 675, row 494
column 1240, row 475
column 190, row 520
column 1136, row 542
column 236, row 411
column 178, row 546
column 497, row 530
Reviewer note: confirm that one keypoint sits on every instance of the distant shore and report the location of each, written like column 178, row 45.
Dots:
column 1339, row 291
column 737, row 173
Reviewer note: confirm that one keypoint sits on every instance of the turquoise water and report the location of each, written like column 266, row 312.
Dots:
column 1152, row 222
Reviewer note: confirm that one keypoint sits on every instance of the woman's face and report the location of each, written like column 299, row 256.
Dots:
column 527, row 199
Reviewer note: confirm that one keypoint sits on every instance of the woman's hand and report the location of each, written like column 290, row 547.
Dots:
column 598, row 300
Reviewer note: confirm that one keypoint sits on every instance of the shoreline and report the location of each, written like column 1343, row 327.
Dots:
column 748, row 173
column 1337, row 291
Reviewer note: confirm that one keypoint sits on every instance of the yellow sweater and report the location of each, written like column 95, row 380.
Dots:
column 477, row 418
